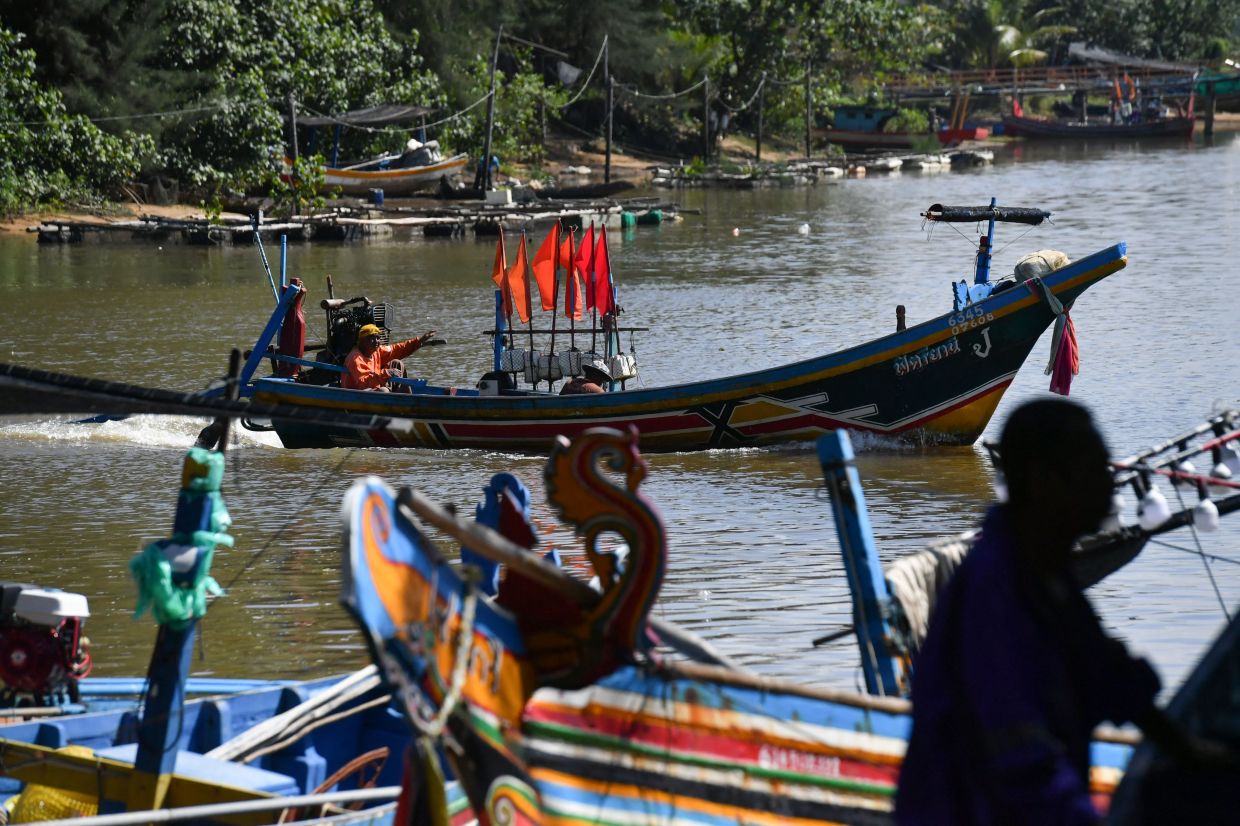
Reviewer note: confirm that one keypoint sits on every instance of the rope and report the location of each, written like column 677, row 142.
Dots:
column 747, row 103
column 794, row 82
column 638, row 94
column 386, row 129
column 1212, row 557
column 590, row 76
column 1192, row 527
column 460, row 668
column 323, row 479
column 140, row 116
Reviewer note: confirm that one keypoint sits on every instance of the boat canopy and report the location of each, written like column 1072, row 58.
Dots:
column 372, row 116
column 973, row 214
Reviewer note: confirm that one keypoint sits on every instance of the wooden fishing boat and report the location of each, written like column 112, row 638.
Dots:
column 559, row 701
column 939, row 381
column 388, row 175
column 1027, row 127
column 1019, row 125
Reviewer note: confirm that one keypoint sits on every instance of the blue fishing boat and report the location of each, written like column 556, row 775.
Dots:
column 198, row 750
column 938, row 381
column 562, row 702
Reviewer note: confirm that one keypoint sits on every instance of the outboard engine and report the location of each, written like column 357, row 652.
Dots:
column 346, row 316
column 43, row 653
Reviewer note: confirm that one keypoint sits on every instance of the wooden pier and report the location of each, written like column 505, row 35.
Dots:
column 352, row 223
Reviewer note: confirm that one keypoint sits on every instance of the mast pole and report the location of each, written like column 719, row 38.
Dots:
column 611, row 103
column 761, row 103
column 984, row 246
column 486, row 151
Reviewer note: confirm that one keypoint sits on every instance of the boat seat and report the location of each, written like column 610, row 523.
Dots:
column 226, row 772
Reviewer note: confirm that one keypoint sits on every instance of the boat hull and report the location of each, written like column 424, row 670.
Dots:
column 1037, row 128
column 392, row 181
column 937, row 382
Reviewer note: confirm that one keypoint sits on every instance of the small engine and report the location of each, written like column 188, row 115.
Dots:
column 43, row 653
column 346, row 316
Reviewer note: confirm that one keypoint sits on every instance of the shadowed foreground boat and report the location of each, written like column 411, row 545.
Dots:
column 558, row 705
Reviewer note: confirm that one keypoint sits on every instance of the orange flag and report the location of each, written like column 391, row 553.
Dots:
column 544, row 267
column 519, row 284
column 573, row 292
column 584, row 262
column 602, row 273
column 499, row 274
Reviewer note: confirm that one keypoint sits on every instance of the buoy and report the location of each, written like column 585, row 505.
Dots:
column 1153, row 510
column 803, row 229
column 736, row 230
column 1205, row 516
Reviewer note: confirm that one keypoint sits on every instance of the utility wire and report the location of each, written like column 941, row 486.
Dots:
column 140, row 116
column 384, row 129
column 747, row 103
column 598, row 59
column 638, row 94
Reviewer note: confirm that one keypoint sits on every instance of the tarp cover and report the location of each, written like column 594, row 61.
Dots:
column 372, row 116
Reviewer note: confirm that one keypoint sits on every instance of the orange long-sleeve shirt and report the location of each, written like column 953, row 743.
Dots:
column 367, row 372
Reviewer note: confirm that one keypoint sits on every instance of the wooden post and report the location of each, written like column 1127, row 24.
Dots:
column 292, row 132
column 1211, row 99
column 808, row 107
column 611, row 104
column 761, row 101
column 706, row 120
column 486, row 150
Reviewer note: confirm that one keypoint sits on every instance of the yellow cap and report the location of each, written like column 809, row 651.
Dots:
column 368, row 330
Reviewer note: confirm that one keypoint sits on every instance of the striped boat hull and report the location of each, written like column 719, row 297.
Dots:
column 939, row 382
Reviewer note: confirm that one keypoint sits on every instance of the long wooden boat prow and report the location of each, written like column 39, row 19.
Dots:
column 935, row 382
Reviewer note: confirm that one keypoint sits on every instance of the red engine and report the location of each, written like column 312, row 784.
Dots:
column 42, row 651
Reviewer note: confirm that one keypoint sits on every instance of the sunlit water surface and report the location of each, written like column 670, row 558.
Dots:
column 754, row 563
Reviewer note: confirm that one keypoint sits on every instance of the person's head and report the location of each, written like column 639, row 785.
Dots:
column 1055, row 467
column 596, row 374
column 369, row 338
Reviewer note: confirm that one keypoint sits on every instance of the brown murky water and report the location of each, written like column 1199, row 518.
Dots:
column 754, row 561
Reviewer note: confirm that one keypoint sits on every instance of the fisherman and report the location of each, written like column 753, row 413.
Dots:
column 371, row 365
column 592, row 380
column 1016, row 670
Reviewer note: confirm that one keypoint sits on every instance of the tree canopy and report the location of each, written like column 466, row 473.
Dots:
column 98, row 92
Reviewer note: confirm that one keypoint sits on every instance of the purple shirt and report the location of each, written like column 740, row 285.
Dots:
column 1014, row 675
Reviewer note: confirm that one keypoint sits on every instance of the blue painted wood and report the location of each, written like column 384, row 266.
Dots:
column 884, row 673
column 982, row 276
column 269, row 332
column 497, row 343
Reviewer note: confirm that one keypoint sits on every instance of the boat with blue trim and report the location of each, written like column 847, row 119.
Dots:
column 560, row 702
column 939, row 381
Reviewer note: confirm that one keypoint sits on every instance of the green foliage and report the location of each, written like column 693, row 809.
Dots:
column 908, row 120
column 297, row 187
column 46, row 155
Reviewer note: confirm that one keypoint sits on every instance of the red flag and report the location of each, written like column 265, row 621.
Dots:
column 544, row 268
column 519, row 284
column 602, row 274
column 499, row 274
column 573, row 292
column 585, row 263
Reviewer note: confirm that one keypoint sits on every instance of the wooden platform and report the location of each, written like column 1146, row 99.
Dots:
column 347, row 223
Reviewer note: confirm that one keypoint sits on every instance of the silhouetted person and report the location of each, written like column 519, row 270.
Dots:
column 1016, row 671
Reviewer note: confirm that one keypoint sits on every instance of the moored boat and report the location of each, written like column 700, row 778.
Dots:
column 561, row 705
column 938, row 381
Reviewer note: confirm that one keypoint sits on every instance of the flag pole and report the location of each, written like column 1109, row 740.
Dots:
column 571, row 309
column 555, row 296
column 592, row 292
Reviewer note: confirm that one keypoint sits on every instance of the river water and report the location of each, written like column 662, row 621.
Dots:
column 754, row 564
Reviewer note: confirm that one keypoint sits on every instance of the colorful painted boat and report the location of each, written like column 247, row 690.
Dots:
column 939, row 381
column 558, row 702
column 361, row 180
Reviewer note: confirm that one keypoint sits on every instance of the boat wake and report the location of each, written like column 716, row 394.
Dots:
column 144, row 430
